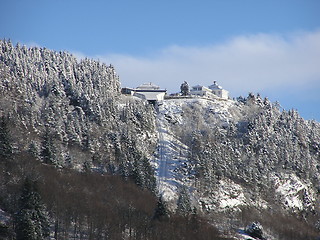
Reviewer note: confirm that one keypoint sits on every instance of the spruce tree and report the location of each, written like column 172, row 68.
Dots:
column 184, row 89
column 48, row 151
column 183, row 203
column 31, row 218
column 161, row 211
column 5, row 139
column 148, row 171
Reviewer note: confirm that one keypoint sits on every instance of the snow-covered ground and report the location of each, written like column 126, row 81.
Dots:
column 228, row 195
column 173, row 108
column 294, row 193
column 172, row 153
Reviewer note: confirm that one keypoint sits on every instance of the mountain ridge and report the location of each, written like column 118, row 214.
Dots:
column 218, row 158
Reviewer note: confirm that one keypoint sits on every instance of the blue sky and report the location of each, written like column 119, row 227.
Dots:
column 271, row 47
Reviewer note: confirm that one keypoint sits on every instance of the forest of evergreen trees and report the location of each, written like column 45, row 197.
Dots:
column 258, row 146
column 75, row 157
column 74, row 154
column 70, row 113
column 263, row 140
column 67, row 204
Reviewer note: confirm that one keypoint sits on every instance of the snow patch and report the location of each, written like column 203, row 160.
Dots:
column 227, row 195
column 230, row 194
column 294, row 193
column 170, row 155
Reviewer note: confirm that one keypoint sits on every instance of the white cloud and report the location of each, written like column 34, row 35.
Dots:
column 78, row 55
column 32, row 44
column 245, row 63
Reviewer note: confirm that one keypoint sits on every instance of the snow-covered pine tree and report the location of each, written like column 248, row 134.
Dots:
column 31, row 219
column 161, row 211
column 48, row 150
column 184, row 89
column 5, row 139
column 183, row 202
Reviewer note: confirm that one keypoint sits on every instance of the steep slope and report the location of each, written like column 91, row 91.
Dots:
column 171, row 155
column 64, row 123
column 172, row 160
column 235, row 155
column 70, row 113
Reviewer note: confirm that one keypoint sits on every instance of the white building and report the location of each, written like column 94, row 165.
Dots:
column 147, row 91
column 219, row 91
column 211, row 91
column 200, row 91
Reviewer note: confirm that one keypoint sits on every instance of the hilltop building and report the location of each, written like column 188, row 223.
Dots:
column 200, row 90
column 148, row 91
column 219, row 91
column 211, row 91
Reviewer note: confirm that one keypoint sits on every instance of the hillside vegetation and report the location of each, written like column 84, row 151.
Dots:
column 79, row 160
column 74, row 154
column 70, row 113
column 236, row 157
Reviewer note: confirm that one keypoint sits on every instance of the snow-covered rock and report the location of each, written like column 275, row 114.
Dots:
column 237, row 148
column 294, row 193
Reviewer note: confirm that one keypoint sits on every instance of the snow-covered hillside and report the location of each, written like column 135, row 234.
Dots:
column 179, row 121
column 233, row 155
column 172, row 158
column 171, row 152
column 219, row 164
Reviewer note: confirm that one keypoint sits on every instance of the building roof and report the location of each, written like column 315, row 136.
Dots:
column 150, row 95
column 197, row 86
column 215, row 86
column 147, row 91
column 148, row 86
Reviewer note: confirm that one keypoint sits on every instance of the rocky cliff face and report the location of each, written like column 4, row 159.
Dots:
column 248, row 144
column 237, row 155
